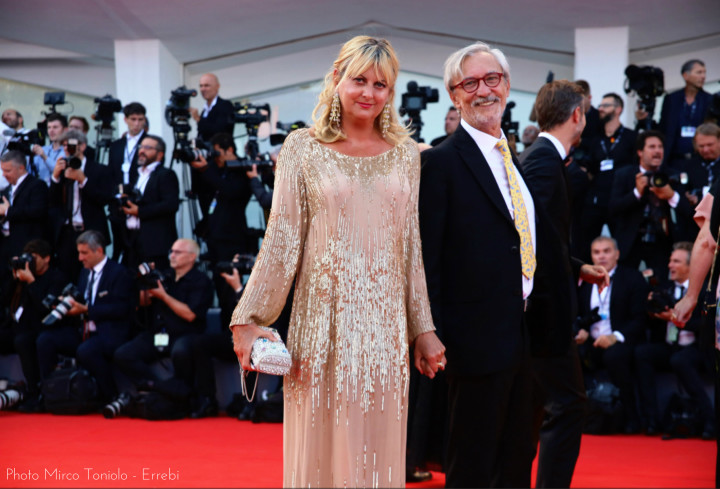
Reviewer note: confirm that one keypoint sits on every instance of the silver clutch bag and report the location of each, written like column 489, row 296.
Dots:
column 267, row 357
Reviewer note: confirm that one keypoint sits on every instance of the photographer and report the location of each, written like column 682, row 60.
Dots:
column 230, row 190
column 675, row 350
column 46, row 156
column 703, row 170
column 640, row 208
column 611, row 322
column 79, row 123
column 33, row 280
column 216, row 118
column 105, row 300
column 79, row 191
column 682, row 111
column 176, row 307
column 149, row 208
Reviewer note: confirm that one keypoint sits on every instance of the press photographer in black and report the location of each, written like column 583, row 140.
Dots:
column 174, row 303
column 33, row 280
column 230, row 190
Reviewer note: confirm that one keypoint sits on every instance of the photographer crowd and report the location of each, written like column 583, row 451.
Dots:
column 634, row 194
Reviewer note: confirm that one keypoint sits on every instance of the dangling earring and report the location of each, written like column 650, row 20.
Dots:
column 385, row 122
column 335, row 110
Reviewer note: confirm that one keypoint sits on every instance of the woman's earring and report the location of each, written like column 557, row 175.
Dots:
column 385, row 122
column 335, row 110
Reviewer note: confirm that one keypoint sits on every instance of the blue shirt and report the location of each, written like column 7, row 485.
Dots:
column 45, row 168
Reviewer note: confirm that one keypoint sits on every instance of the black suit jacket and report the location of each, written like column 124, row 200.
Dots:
column 116, row 157
column 27, row 216
column 96, row 194
column 115, row 301
column 220, row 119
column 628, row 299
column 626, row 211
column 553, row 302
column 231, row 190
column 471, row 251
column 670, row 117
column 157, row 209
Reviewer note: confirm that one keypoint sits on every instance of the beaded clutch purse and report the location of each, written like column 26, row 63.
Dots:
column 266, row 357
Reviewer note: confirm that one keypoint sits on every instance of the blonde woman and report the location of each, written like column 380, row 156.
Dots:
column 344, row 228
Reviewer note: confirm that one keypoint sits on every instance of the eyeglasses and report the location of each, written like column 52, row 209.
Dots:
column 145, row 146
column 470, row 85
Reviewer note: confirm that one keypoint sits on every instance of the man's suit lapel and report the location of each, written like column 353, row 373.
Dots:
column 478, row 166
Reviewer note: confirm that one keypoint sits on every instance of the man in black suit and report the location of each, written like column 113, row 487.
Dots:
column 682, row 111
column 613, row 148
column 109, row 303
column 613, row 323
column 480, row 274
column 703, row 170
column 79, row 123
column 452, row 119
column 150, row 211
column 217, row 117
column 79, row 191
column 23, row 207
column 559, row 391
column 677, row 347
column 643, row 224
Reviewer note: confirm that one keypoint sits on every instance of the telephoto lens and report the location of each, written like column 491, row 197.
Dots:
column 9, row 397
column 116, row 408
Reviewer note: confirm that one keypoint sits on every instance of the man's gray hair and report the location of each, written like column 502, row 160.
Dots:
column 93, row 239
column 74, row 134
column 453, row 65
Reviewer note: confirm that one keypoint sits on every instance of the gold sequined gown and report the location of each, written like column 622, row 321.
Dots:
column 348, row 228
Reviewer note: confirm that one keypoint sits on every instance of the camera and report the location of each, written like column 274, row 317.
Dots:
column 193, row 151
column 509, row 127
column 122, row 198
column 148, row 277
column 61, row 306
column 243, row 265
column 19, row 262
column 659, row 300
column 252, row 116
column 177, row 113
column 262, row 161
column 116, row 408
column 660, row 179
column 413, row 101
column 24, row 141
column 105, row 111
column 289, row 127
column 648, row 82
column 590, row 318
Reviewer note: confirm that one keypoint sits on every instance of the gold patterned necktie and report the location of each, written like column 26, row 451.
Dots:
column 521, row 219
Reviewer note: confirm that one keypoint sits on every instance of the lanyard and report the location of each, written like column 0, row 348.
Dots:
column 613, row 142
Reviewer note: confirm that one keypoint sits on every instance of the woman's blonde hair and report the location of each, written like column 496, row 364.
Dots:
column 358, row 55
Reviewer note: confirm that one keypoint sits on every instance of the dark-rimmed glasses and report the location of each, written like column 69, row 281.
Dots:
column 470, row 85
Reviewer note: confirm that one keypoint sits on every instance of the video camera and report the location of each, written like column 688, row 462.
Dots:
column 177, row 114
column 252, row 116
column 23, row 141
column 289, row 127
column 509, row 127
column 243, row 265
column 105, row 111
column 61, row 305
column 647, row 82
column 413, row 101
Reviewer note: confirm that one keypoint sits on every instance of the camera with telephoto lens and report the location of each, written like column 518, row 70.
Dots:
column 23, row 141
column 19, row 262
column 132, row 195
column 243, row 265
column 194, row 150
column 116, row 408
column 62, row 304
column 590, row 318
column 148, row 277
column 659, row 301
column 74, row 162
column 413, row 101
column 660, row 179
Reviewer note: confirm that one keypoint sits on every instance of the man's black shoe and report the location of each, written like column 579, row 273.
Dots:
column 207, row 408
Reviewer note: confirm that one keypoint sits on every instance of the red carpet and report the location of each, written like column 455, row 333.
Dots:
column 65, row 451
